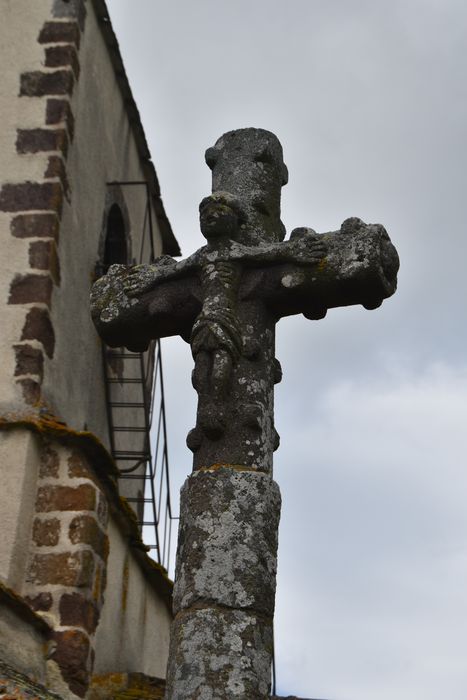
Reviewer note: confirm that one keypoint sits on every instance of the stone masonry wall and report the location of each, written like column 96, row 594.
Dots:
column 67, row 131
column 35, row 204
column 66, row 575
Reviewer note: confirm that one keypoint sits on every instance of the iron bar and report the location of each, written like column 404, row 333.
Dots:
column 139, row 389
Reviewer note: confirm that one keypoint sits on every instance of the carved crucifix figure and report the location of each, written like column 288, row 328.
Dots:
column 225, row 300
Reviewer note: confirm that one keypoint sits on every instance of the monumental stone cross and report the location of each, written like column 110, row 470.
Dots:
column 225, row 300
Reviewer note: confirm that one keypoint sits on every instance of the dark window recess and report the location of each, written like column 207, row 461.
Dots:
column 115, row 244
column 115, row 250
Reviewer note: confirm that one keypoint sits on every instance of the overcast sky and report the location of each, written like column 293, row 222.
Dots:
column 369, row 100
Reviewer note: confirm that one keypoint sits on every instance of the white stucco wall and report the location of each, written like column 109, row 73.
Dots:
column 103, row 150
column 21, row 21
column 21, row 645
column 19, row 460
column 132, row 636
column 133, row 632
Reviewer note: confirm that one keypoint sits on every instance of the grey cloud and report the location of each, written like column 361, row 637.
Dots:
column 369, row 101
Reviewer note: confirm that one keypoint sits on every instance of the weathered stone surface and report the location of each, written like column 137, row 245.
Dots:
column 46, row 533
column 35, row 226
column 50, row 463
column 26, row 289
column 228, row 541
column 38, row 84
column 78, row 611
column 58, row 112
column 37, row 140
column 232, row 291
column 249, row 164
column 29, row 360
column 63, row 55
column 41, row 602
column 56, row 168
column 226, row 299
column 84, row 529
column 126, row 686
column 219, row 655
column 38, row 326
column 70, row 9
column 26, row 196
column 72, row 655
column 43, row 256
column 31, row 391
column 66, row 569
column 78, row 466
column 50, row 498
column 60, row 32
column 15, row 685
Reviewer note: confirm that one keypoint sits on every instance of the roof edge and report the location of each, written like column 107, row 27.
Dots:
column 169, row 242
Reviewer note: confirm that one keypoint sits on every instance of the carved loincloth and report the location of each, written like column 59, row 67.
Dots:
column 217, row 330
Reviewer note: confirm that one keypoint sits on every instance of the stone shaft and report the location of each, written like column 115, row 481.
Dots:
column 249, row 437
column 219, row 655
column 221, row 645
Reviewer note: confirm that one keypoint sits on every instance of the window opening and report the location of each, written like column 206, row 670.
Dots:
column 115, row 246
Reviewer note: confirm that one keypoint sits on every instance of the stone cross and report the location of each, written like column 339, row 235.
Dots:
column 225, row 300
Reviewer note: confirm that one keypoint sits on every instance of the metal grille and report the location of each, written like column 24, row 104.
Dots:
column 138, row 436
column 134, row 388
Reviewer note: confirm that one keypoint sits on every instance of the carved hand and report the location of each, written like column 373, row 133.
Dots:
column 305, row 247
column 140, row 279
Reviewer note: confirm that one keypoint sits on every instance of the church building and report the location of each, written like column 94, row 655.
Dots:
column 85, row 607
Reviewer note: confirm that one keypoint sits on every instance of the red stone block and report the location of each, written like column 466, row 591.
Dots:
column 27, row 289
column 61, row 498
column 38, row 326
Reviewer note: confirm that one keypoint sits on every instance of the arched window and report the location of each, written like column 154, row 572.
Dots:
column 115, row 245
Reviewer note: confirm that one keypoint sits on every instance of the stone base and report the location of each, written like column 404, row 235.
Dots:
column 221, row 655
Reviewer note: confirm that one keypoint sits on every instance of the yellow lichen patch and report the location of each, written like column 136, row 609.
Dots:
column 125, row 583
column 122, row 686
column 51, row 426
column 103, row 466
column 322, row 264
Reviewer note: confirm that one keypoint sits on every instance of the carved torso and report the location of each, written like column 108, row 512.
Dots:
column 218, row 326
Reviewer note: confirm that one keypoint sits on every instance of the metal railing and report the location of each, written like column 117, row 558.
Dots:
column 134, row 390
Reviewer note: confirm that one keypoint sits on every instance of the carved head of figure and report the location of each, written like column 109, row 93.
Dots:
column 221, row 216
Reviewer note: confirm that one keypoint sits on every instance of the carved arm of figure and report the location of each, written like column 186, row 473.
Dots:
column 142, row 278
column 359, row 266
column 126, row 313
column 305, row 247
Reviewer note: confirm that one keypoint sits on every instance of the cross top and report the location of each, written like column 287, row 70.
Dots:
column 249, row 164
column 226, row 298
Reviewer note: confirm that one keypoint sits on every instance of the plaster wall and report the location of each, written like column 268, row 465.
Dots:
column 103, row 150
column 22, row 646
column 133, row 632
column 19, row 459
column 21, row 23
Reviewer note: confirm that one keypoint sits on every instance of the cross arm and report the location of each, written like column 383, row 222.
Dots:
column 359, row 266
column 300, row 249
column 128, row 315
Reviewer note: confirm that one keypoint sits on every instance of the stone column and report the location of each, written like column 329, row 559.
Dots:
column 222, row 643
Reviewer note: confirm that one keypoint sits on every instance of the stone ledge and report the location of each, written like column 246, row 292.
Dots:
column 103, row 466
column 126, row 686
column 16, row 603
column 14, row 684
